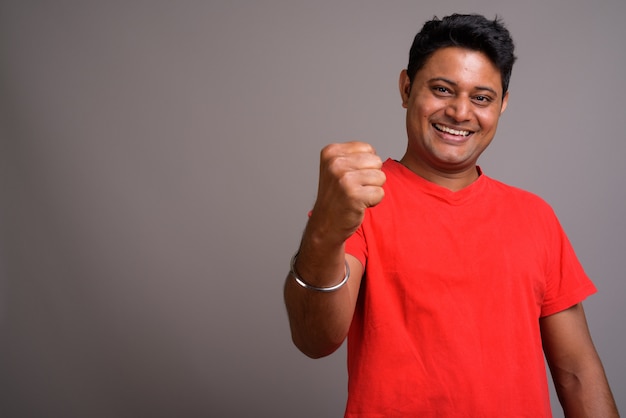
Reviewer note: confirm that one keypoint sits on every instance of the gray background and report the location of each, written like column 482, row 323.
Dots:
column 158, row 160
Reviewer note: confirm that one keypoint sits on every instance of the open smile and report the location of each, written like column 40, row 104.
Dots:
column 443, row 128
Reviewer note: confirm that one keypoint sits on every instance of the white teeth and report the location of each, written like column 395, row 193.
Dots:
column 451, row 131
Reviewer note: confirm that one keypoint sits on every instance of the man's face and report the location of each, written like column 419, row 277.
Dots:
column 453, row 107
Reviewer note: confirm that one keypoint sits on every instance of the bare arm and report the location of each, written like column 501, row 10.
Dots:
column 576, row 368
column 350, row 182
column 320, row 321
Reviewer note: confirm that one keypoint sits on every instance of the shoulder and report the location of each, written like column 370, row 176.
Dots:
column 522, row 205
column 516, row 194
column 391, row 166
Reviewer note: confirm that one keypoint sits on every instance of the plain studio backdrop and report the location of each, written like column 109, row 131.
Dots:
column 158, row 160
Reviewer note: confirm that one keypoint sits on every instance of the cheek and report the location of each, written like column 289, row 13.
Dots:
column 418, row 122
column 489, row 120
column 487, row 123
column 421, row 113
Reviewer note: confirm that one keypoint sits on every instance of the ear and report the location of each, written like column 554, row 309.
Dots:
column 505, row 102
column 405, row 88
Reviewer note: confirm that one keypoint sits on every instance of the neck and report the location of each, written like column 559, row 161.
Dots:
column 451, row 180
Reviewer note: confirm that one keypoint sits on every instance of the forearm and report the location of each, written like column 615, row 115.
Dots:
column 585, row 394
column 576, row 368
column 320, row 320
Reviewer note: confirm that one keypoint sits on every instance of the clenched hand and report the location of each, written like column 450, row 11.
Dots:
column 350, row 181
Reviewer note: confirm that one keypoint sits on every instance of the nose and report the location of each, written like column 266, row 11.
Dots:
column 459, row 109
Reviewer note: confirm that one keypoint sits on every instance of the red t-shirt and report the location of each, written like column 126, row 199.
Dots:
column 447, row 321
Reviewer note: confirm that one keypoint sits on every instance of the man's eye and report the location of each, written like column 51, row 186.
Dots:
column 482, row 99
column 441, row 89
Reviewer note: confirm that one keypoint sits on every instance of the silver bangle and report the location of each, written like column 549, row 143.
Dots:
column 298, row 279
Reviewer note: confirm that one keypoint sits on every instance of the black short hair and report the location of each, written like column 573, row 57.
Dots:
column 470, row 31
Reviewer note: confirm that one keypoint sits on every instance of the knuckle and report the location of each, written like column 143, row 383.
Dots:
column 346, row 181
column 330, row 151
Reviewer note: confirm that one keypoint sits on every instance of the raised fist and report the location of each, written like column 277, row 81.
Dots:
column 350, row 181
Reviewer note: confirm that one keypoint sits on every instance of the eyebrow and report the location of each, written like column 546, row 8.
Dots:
column 445, row 80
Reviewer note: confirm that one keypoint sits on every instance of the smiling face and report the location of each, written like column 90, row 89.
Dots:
column 453, row 107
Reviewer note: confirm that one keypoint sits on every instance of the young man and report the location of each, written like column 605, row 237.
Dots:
column 449, row 285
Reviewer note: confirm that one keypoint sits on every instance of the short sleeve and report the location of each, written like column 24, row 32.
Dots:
column 356, row 245
column 566, row 283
